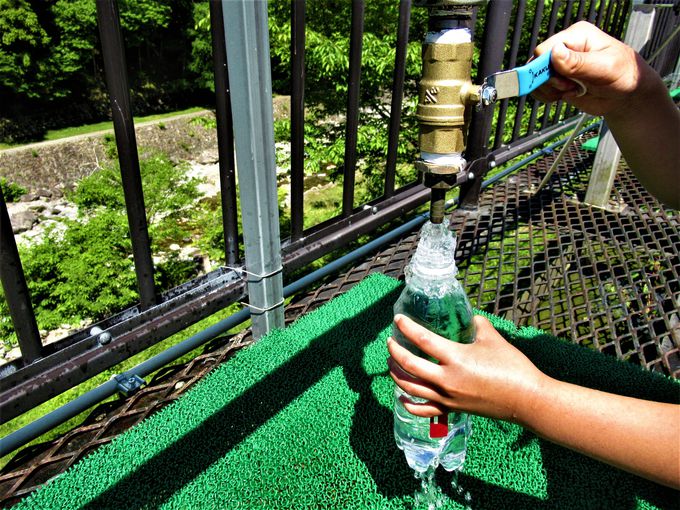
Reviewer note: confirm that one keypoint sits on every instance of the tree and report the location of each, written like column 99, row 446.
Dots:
column 23, row 46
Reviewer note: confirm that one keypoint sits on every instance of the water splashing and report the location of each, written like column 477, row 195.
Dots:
column 430, row 495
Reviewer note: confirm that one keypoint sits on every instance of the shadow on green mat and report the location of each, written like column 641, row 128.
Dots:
column 372, row 424
column 371, row 437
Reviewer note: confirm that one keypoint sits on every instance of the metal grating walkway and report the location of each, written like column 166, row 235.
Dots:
column 607, row 280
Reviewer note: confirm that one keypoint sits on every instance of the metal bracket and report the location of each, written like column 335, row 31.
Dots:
column 258, row 277
column 478, row 168
column 129, row 384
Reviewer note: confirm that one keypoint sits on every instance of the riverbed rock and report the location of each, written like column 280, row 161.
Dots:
column 23, row 221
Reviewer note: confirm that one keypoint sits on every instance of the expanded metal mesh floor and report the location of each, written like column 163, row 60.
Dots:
column 604, row 279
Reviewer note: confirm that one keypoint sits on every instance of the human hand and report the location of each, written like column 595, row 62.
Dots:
column 489, row 377
column 612, row 72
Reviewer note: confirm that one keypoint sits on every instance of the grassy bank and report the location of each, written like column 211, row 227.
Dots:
column 58, row 134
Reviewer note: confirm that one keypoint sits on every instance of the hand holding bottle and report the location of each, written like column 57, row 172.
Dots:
column 492, row 378
column 489, row 377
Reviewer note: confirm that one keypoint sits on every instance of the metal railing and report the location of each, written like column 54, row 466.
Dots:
column 45, row 371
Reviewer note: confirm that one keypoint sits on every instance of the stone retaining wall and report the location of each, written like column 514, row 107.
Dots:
column 59, row 164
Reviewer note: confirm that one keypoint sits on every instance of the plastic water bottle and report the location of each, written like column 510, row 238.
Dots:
column 434, row 298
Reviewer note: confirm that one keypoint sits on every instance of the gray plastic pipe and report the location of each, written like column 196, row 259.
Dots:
column 54, row 418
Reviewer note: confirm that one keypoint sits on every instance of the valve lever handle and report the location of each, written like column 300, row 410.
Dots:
column 520, row 81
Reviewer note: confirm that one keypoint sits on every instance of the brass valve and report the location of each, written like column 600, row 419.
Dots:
column 445, row 97
column 444, row 93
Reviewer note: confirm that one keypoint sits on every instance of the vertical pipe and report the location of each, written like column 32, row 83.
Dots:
column 115, row 69
column 621, row 17
column 551, row 30
column 521, row 102
column 352, row 125
column 581, row 10
column 568, row 12
column 514, row 49
column 606, row 24
column 397, row 95
column 16, row 291
column 534, row 41
column 591, row 11
column 600, row 13
column 297, row 118
column 491, row 59
column 225, row 135
column 247, row 40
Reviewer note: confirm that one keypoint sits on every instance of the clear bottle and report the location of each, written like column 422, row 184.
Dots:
column 434, row 298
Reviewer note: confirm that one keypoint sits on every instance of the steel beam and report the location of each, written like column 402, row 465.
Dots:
column 16, row 291
column 607, row 158
column 225, row 136
column 115, row 69
column 247, row 39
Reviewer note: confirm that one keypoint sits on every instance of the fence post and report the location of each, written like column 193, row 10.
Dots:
column 225, row 135
column 115, row 69
column 491, row 60
column 247, row 39
column 608, row 155
column 16, row 291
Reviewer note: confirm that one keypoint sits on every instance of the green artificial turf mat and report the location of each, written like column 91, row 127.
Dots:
column 302, row 419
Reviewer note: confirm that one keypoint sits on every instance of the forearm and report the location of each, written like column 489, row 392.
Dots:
column 638, row 436
column 647, row 130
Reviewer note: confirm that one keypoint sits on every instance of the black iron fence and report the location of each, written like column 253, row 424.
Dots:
column 496, row 135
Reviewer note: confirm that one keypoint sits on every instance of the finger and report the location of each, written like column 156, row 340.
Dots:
column 426, row 410
column 561, row 84
column 410, row 363
column 547, row 94
column 485, row 331
column 584, row 67
column 428, row 342
column 412, row 385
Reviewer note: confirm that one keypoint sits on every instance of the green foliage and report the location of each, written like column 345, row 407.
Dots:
column 51, row 62
column 201, row 47
column 86, row 270
column 11, row 191
column 104, row 188
column 22, row 41
column 87, row 274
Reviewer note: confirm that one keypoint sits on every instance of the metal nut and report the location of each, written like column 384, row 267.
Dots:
column 489, row 95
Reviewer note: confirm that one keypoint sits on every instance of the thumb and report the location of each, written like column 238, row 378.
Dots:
column 586, row 66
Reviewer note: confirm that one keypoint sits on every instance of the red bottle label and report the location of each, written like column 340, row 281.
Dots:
column 439, row 426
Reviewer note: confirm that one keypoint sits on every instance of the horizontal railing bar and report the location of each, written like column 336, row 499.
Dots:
column 53, row 374
column 38, row 427
column 338, row 234
column 507, row 152
column 29, row 386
